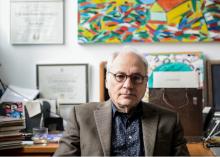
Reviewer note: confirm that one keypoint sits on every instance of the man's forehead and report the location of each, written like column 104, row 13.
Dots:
column 128, row 67
column 128, row 59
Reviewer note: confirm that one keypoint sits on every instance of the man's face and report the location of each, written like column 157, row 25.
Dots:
column 126, row 94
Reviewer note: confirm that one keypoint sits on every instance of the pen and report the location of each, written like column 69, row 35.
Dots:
column 209, row 145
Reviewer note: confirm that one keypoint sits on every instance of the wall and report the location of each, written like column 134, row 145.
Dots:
column 18, row 62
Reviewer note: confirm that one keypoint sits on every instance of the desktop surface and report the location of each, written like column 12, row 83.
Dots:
column 195, row 149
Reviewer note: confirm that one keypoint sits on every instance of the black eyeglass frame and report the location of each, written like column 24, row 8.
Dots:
column 130, row 76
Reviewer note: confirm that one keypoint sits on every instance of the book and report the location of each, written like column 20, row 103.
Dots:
column 12, row 116
column 11, row 138
column 14, row 110
column 9, row 128
column 10, row 121
column 15, row 135
column 9, row 133
column 10, row 144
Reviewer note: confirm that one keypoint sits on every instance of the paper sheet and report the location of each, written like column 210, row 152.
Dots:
column 33, row 108
column 18, row 94
column 176, row 79
column 53, row 104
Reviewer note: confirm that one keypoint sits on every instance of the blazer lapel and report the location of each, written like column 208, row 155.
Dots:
column 149, row 125
column 103, row 119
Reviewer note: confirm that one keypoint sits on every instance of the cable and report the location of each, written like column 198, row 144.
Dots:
column 212, row 131
column 172, row 106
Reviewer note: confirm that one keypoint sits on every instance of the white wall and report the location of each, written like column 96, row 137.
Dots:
column 18, row 62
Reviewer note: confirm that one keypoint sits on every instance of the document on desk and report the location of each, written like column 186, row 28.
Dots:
column 216, row 151
column 33, row 108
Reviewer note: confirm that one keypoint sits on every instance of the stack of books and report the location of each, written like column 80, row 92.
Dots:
column 10, row 136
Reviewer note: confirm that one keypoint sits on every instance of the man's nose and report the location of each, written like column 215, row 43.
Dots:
column 128, row 83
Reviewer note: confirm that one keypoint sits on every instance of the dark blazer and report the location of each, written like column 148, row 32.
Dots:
column 88, row 131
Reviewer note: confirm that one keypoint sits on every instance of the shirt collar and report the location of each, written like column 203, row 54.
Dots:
column 138, row 110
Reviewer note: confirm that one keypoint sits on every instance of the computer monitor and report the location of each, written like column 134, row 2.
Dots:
column 213, row 75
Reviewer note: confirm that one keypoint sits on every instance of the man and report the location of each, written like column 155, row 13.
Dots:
column 123, row 125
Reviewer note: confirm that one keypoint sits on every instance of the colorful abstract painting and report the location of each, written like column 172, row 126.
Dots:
column 120, row 21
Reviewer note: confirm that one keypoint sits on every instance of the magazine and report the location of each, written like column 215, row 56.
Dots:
column 15, row 110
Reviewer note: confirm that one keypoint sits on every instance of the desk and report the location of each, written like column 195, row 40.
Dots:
column 33, row 150
column 195, row 149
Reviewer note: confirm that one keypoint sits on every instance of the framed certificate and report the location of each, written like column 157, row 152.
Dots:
column 36, row 22
column 67, row 83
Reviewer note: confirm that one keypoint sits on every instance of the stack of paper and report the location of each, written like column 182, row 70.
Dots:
column 18, row 94
column 10, row 136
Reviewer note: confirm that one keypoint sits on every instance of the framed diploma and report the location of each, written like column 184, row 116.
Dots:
column 36, row 22
column 67, row 83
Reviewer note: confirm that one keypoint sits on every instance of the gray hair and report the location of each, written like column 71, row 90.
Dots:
column 124, row 50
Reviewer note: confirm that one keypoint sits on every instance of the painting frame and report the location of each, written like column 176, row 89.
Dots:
column 148, row 21
column 63, row 82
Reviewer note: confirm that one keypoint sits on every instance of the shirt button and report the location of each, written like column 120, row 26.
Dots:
column 129, row 137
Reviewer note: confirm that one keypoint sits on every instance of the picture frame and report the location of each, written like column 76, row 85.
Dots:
column 102, row 74
column 213, row 84
column 67, row 83
column 147, row 21
column 36, row 22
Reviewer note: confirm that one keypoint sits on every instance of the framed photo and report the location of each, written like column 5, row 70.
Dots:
column 36, row 22
column 67, row 83
column 213, row 83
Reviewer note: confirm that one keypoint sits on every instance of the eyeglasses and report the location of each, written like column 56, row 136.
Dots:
column 135, row 78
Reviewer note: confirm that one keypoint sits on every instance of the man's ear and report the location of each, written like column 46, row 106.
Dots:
column 145, row 83
column 106, row 83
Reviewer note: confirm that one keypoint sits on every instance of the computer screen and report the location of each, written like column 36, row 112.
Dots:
column 216, row 86
column 213, row 92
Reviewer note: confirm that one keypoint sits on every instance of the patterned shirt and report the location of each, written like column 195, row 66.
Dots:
column 127, row 138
